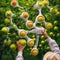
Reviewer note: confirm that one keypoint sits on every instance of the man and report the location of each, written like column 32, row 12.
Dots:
column 55, row 51
column 53, row 55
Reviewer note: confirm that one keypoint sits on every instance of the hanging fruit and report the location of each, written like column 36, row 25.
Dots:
column 35, row 52
column 48, row 25
column 40, row 18
column 31, row 43
column 22, row 42
column 29, row 24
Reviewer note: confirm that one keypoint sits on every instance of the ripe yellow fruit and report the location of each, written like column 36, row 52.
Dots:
column 5, row 29
column 40, row 19
column 31, row 43
column 9, row 13
column 48, row 25
column 7, row 20
column 25, row 15
column 30, row 24
column 22, row 42
column 35, row 52
column 45, row 2
column 40, row 4
column 23, row 33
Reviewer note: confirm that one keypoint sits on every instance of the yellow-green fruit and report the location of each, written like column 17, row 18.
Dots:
column 13, row 47
column 7, row 20
column 5, row 42
column 58, row 34
column 5, row 29
column 22, row 42
column 51, row 33
column 58, row 13
column 9, row 42
column 48, row 25
column 55, row 28
column 8, row 13
column 45, row 2
column 42, row 42
column 42, row 37
column 56, row 22
column 40, row 4
column 54, row 11
column 31, row 43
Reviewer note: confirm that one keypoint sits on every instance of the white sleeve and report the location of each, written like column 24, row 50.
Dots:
column 19, row 56
column 53, row 46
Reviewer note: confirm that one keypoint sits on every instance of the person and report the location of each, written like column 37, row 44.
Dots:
column 20, row 51
column 54, row 54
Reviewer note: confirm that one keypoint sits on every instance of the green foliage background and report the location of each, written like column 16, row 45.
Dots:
column 5, row 5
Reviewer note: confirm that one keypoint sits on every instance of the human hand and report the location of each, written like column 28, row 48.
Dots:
column 20, row 47
column 45, row 33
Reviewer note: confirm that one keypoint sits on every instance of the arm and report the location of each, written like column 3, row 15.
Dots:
column 20, row 51
column 52, row 43
column 19, row 56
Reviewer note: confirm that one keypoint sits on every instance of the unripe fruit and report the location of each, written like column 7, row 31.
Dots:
column 51, row 33
column 55, row 28
column 7, row 20
column 5, row 29
column 42, row 42
column 45, row 2
column 22, row 42
column 40, row 19
column 54, row 11
column 48, row 25
column 31, row 43
column 29, row 24
column 58, row 13
column 8, row 13
column 35, row 52
column 40, row 4
column 23, row 33
column 13, row 47
column 25, row 15
column 55, row 22
column 42, row 37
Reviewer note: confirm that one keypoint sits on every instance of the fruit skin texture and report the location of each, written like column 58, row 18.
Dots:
column 30, row 24
column 14, row 3
column 8, row 13
column 5, row 29
column 54, row 11
column 35, row 52
column 25, row 15
column 22, row 33
column 40, row 4
column 55, row 28
column 48, row 25
column 7, row 20
column 31, row 43
column 22, row 42
column 40, row 18
column 45, row 2
column 7, row 42
column 13, row 47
